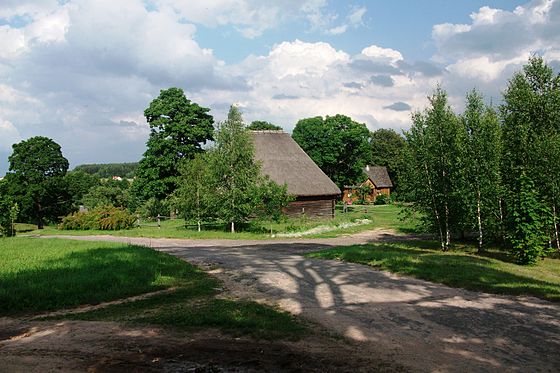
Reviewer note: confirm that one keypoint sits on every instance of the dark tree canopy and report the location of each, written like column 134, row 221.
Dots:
column 260, row 125
column 178, row 130
column 36, row 179
column 387, row 150
column 107, row 170
column 337, row 144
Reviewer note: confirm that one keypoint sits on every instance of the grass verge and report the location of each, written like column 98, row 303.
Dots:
column 459, row 267
column 384, row 216
column 40, row 275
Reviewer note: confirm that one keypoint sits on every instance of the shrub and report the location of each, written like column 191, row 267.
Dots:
column 101, row 218
column 382, row 199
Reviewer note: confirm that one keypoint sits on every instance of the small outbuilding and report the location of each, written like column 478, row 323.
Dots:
column 285, row 162
column 378, row 182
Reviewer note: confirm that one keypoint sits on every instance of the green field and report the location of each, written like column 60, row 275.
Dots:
column 40, row 275
column 460, row 267
column 384, row 216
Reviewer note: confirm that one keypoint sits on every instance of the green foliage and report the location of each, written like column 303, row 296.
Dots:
column 154, row 207
column 108, row 170
column 382, row 199
column 110, row 192
column 226, row 184
column 531, row 133
column 178, row 129
column 363, row 192
column 480, row 185
column 432, row 167
column 337, row 144
column 8, row 211
column 100, row 218
column 387, row 148
column 79, row 184
column 527, row 236
column 36, row 180
column 261, row 125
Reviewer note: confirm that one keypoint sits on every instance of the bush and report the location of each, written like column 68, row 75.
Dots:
column 101, row 218
column 382, row 199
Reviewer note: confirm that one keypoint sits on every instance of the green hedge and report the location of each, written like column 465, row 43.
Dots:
column 100, row 218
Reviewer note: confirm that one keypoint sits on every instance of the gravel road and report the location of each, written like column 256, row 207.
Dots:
column 422, row 325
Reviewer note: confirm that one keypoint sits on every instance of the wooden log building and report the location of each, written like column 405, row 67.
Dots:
column 285, row 162
column 377, row 179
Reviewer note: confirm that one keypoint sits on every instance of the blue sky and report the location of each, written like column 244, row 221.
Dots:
column 83, row 71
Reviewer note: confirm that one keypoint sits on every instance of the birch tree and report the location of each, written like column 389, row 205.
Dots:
column 432, row 166
column 481, row 166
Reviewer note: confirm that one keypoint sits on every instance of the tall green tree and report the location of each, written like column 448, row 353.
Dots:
column 431, row 174
column 36, row 180
column 481, row 161
column 79, row 183
column 195, row 197
column 531, row 133
column 387, row 148
column 7, row 209
column 178, row 130
column 260, row 125
column 337, row 144
column 226, row 183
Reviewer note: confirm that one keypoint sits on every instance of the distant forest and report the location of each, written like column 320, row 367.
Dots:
column 107, row 170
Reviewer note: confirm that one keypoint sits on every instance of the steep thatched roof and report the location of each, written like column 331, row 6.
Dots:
column 284, row 161
column 379, row 176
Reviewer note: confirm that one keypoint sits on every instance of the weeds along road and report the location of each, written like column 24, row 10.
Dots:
column 422, row 325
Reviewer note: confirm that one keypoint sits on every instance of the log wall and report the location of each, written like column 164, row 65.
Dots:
column 312, row 207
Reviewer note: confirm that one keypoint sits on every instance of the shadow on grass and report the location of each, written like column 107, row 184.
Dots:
column 95, row 275
column 418, row 259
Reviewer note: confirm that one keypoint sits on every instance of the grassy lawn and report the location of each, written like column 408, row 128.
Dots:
column 385, row 216
column 49, row 274
column 458, row 268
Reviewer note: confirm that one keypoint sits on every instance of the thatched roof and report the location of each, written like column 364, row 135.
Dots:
column 379, row 176
column 284, row 161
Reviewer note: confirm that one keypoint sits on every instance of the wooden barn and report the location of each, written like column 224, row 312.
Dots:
column 285, row 162
column 377, row 179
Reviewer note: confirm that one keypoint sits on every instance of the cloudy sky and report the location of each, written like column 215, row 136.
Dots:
column 82, row 71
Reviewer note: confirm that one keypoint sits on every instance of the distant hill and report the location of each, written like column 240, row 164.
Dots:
column 107, row 170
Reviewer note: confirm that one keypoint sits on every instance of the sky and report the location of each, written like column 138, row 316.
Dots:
column 82, row 71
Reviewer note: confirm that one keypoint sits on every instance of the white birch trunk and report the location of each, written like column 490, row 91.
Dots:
column 479, row 219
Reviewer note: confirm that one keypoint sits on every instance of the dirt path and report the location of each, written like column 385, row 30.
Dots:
column 422, row 325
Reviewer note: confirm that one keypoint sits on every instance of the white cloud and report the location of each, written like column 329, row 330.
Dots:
column 382, row 54
column 8, row 135
column 356, row 15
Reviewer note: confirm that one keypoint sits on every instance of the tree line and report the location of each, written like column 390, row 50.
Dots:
column 490, row 171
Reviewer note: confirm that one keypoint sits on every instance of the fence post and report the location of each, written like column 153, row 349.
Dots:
column 158, row 222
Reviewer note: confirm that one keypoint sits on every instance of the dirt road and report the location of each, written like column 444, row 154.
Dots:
column 422, row 325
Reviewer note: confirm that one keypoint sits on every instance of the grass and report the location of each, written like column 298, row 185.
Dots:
column 385, row 216
column 460, row 267
column 40, row 275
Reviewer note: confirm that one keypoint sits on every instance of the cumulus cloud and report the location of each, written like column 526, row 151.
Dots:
column 82, row 72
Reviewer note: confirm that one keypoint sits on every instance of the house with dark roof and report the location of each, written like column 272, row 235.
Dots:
column 378, row 182
column 285, row 162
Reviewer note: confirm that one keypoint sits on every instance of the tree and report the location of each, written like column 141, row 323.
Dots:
column 79, row 183
column 387, row 150
column 481, row 161
column 194, row 195
column 178, row 130
column 531, row 133
column 108, row 193
column 226, row 183
column 8, row 211
column 528, row 214
column 36, row 179
column 260, row 125
column 337, row 144
column 432, row 167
